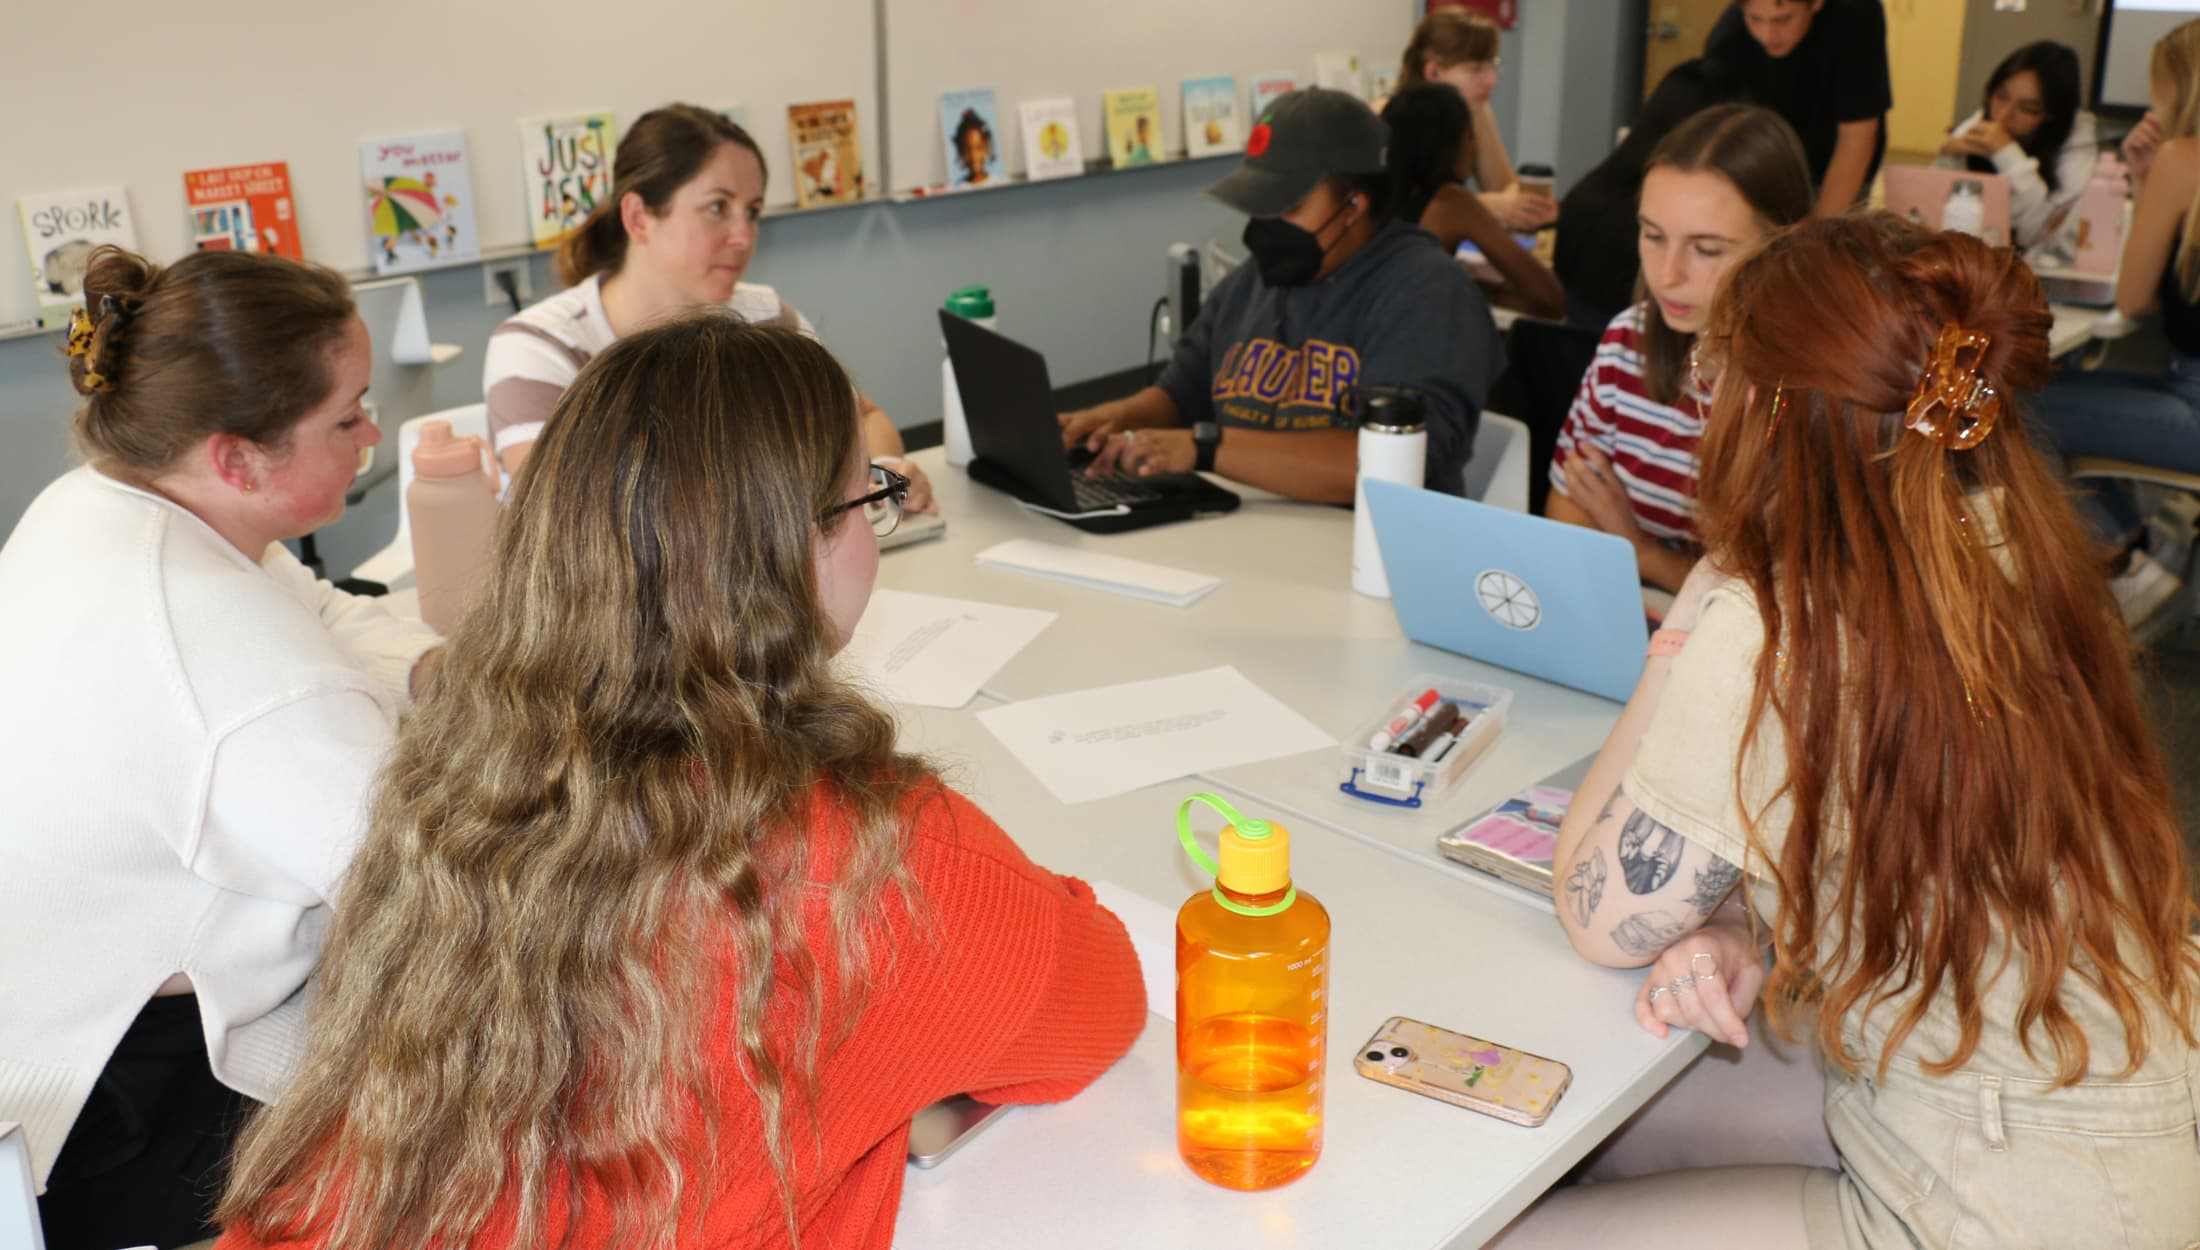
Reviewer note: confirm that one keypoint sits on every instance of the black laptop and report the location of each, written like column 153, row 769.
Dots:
column 1009, row 405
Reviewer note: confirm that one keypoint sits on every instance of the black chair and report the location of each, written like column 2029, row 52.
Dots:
column 1544, row 365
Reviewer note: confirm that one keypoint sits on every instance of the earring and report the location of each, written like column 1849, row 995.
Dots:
column 247, row 488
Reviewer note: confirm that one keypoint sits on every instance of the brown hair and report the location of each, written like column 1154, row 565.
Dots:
column 1447, row 37
column 1952, row 681
column 605, row 835
column 2176, row 62
column 1756, row 151
column 217, row 343
column 660, row 153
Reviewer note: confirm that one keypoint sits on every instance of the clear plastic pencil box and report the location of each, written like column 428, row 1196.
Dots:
column 1408, row 781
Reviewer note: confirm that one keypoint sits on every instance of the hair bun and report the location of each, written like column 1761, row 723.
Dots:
column 116, row 284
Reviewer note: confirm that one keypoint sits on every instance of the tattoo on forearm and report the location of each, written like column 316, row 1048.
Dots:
column 1713, row 881
column 1585, row 888
column 1649, row 853
column 1646, row 933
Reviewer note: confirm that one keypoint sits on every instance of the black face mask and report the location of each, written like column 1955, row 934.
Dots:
column 1287, row 255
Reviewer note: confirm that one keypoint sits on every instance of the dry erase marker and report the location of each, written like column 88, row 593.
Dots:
column 1441, row 718
column 1402, row 722
column 1440, row 748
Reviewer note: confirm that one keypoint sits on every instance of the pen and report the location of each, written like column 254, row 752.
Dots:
column 1403, row 722
column 1440, row 748
column 1442, row 718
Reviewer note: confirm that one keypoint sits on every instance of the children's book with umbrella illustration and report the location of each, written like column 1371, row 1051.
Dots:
column 418, row 192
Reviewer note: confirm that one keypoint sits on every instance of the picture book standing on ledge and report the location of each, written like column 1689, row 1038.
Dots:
column 970, row 122
column 828, row 153
column 1052, row 146
column 418, row 191
column 1134, row 127
column 244, row 208
column 60, row 229
column 1211, row 116
column 1266, row 87
column 565, row 167
column 1340, row 71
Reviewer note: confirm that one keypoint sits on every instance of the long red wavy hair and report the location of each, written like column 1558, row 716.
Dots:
column 1951, row 678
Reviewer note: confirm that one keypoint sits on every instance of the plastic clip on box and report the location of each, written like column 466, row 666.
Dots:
column 1385, row 776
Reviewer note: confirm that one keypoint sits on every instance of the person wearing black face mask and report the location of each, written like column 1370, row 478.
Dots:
column 1338, row 297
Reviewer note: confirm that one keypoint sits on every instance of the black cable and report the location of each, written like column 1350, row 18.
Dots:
column 508, row 282
column 1153, row 339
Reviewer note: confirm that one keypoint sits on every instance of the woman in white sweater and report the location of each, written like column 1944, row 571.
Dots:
column 2033, row 133
column 191, row 724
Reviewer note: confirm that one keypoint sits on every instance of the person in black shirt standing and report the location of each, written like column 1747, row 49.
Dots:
column 1821, row 64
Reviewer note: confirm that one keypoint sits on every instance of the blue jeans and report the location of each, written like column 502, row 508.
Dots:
column 2151, row 419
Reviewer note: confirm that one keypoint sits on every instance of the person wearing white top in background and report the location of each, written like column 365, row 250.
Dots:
column 2033, row 133
column 192, row 724
column 676, row 233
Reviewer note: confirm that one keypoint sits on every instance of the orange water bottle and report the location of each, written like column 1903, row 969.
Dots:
column 1252, row 971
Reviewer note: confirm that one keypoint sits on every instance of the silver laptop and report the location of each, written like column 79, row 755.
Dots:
column 1548, row 599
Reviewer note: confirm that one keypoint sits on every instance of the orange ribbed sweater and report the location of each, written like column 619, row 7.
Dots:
column 1017, row 988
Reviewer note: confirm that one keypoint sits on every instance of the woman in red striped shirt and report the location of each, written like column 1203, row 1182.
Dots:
column 1626, row 460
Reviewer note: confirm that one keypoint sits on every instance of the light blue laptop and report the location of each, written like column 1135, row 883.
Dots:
column 1548, row 599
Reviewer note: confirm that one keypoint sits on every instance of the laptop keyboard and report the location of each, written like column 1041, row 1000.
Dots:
column 1115, row 490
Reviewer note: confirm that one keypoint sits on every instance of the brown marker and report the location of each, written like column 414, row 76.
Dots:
column 1433, row 726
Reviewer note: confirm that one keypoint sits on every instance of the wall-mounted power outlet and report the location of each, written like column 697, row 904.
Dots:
column 494, row 282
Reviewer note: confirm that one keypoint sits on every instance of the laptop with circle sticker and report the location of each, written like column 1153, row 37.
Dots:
column 1542, row 597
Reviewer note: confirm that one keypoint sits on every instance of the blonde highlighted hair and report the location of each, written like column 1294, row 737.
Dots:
column 2175, row 64
column 605, row 810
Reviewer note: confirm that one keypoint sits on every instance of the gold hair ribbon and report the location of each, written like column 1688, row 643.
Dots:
column 1954, row 402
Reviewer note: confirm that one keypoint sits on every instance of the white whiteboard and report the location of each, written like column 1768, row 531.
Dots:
column 138, row 91
column 1036, row 49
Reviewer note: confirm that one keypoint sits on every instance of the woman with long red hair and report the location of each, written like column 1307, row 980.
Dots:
column 1891, row 729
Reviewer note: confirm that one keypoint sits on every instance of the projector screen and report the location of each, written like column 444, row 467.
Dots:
column 2132, row 27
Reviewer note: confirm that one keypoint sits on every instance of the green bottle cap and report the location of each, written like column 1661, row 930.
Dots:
column 972, row 302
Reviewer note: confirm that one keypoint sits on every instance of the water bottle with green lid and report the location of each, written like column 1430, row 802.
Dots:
column 1252, row 969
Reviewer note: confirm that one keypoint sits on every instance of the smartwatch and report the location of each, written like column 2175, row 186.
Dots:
column 1206, row 436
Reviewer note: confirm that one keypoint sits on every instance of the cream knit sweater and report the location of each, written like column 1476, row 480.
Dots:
column 187, row 739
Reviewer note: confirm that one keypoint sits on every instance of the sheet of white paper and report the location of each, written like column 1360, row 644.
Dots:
column 1098, row 571
column 934, row 651
column 1114, row 739
column 1153, row 936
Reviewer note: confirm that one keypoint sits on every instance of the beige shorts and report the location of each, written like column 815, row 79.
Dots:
column 1977, row 1160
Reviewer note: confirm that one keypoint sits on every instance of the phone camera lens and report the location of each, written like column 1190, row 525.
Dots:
column 1374, row 1056
column 1398, row 1052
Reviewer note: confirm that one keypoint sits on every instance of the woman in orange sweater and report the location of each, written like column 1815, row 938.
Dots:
column 655, row 939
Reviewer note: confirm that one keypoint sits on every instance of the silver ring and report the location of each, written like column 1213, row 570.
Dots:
column 1683, row 982
column 1130, row 436
column 1656, row 990
column 1711, row 974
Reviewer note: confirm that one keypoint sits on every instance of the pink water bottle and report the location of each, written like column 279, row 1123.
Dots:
column 453, row 507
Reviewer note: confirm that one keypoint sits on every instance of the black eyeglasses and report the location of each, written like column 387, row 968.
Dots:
column 882, row 507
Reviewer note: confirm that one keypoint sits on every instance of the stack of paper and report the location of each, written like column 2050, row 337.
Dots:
column 1153, row 935
column 1115, row 739
column 934, row 651
column 1095, row 571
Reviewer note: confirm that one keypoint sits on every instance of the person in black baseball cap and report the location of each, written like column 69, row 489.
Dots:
column 1337, row 298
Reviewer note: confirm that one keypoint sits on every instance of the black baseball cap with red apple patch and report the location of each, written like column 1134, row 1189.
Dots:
column 1298, row 140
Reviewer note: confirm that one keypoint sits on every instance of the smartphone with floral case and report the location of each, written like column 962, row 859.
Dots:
column 1512, row 1085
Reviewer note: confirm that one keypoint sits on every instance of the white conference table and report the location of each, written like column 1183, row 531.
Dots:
column 1100, row 1171
column 1415, row 934
column 1286, row 616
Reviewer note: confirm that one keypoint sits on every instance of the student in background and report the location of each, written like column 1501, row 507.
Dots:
column 2147, row 418
column 1431, row 152
column 1596, row 256
column 2033, row 133
column 1979, row 914
column 1822, row 65
column 1626, row 457
column 650, row 878
column 677, row 232
column 192, row 723
column 1459, row 48
column 1338, row 297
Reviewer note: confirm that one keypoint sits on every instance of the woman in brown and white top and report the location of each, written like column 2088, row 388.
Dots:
column 677, row 232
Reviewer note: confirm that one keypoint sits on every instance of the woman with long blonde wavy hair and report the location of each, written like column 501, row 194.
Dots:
column 655, row 938
column 1892, row 724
